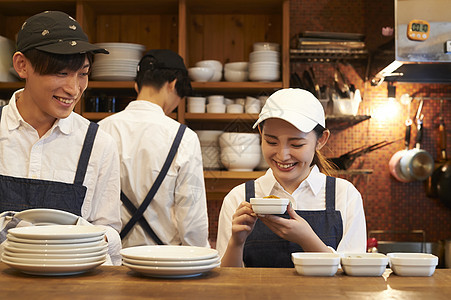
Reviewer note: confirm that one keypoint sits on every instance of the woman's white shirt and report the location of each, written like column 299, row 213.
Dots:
column 310, row 195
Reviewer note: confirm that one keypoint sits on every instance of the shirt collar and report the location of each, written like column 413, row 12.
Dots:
column 14, row 119
column 144, row 105
column 314, row 181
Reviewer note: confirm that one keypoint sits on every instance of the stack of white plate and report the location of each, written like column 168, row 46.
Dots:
column 55, row 249
column 170, row 261
column 264, row 64
column 120, row 64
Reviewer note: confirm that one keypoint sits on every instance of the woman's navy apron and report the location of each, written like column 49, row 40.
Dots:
column 137, row 213
column 264, row 248
column 17, row 194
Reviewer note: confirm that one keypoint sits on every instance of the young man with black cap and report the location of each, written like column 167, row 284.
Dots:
column 51, row 157
column 163, row 190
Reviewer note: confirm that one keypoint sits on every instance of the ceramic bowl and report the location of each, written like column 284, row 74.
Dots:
column 196, row 108
column 235, row 109
column 245, row 162
column 197, row 100
column 216, row 99
column 236, row 66
column 315, row 263
column 209, row 137
column 250, row 148
column 200, row 74
column 364, row 264
column 269, row 205
column 238, row 138
column 236, row 75
column 216, row 108
column 412, row 264
column 210, row 63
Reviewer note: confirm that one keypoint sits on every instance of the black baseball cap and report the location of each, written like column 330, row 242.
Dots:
column 163, row 59
column 54, row 32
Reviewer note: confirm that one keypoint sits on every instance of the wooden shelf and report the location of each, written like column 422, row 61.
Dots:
column 220, row 117
column 213, row 174
column 111, row 84
column 247, row 87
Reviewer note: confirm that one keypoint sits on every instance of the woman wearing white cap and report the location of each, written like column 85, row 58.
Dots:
column 325, row 214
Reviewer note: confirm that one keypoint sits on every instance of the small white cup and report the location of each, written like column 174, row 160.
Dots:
column 235, row 109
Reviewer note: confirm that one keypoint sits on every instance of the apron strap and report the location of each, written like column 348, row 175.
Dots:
column 142, row 221
column 1, row 108
column 85, row 153
column 250, row 190
column 330, row 193
column 156, row 185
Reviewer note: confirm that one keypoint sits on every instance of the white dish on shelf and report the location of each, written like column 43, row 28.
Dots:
column 169, row 253
column 413, row 264
column 46, row 215
column 172, row 272
column 364, row 264
column 56, row 232
column 166, row 263
column 316, row 263
column 53, row 270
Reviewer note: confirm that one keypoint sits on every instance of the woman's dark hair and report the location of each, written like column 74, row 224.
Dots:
column 324, row 165
column 156, row 77
column 48, row 63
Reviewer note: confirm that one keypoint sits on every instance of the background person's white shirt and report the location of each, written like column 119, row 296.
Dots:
column 55, row 157
column 178, row 212
column 310, row 195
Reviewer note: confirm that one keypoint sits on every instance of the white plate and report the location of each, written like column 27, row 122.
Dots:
column 172, row 272
column 168, row 252
column 55, row 256
column 55, row 246
column 165, row 263
column 56, row 232
column 47, row 216
column 57, row 270
column 58, row 251
column 55, row 241
column 53, row 261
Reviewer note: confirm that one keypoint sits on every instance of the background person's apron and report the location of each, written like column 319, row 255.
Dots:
column 17, row 194
column 264, row 248
column 137, row 213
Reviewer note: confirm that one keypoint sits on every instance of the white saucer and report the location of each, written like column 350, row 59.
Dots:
column 168, row 252
column 57, row 251
column 55, row 246
column 56, row 270
column 56, row 232
column 55, row 256
column 53, row 261
column 172, row 272
column 165, row 263
column 48, row 216
column 13, row 238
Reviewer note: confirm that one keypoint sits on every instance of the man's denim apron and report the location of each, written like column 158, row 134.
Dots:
column 263, row 248
column 17, row 194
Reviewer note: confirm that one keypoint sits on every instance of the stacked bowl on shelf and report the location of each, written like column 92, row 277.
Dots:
column 240, row 151
column 120, row 64
column 236, row 71
column 55, row 249
column 264, row 62
column 170, row 261
column 209, row 145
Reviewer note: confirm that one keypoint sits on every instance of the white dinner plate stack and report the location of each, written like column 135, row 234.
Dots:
column 170, row 261
column 55, row 249
column 264, row 62
column 120, row 64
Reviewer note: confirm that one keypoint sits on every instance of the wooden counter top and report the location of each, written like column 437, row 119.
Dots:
column 108, row 282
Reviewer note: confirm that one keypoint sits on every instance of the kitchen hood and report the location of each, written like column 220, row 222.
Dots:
column 422, row 44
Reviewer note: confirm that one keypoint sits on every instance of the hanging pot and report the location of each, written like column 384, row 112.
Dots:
column 416, row 163
column 432, row 181
column 394, row 165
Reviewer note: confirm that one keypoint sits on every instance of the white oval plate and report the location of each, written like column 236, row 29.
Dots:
column 63, row 241
column 57, row 251
column 172, row 272
column 164, row 263
column 38, row 216
column 53, row 270
column 55, row 256
column 56, row 232
column 168, row 252
column 53, row 261
column 55, row 246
